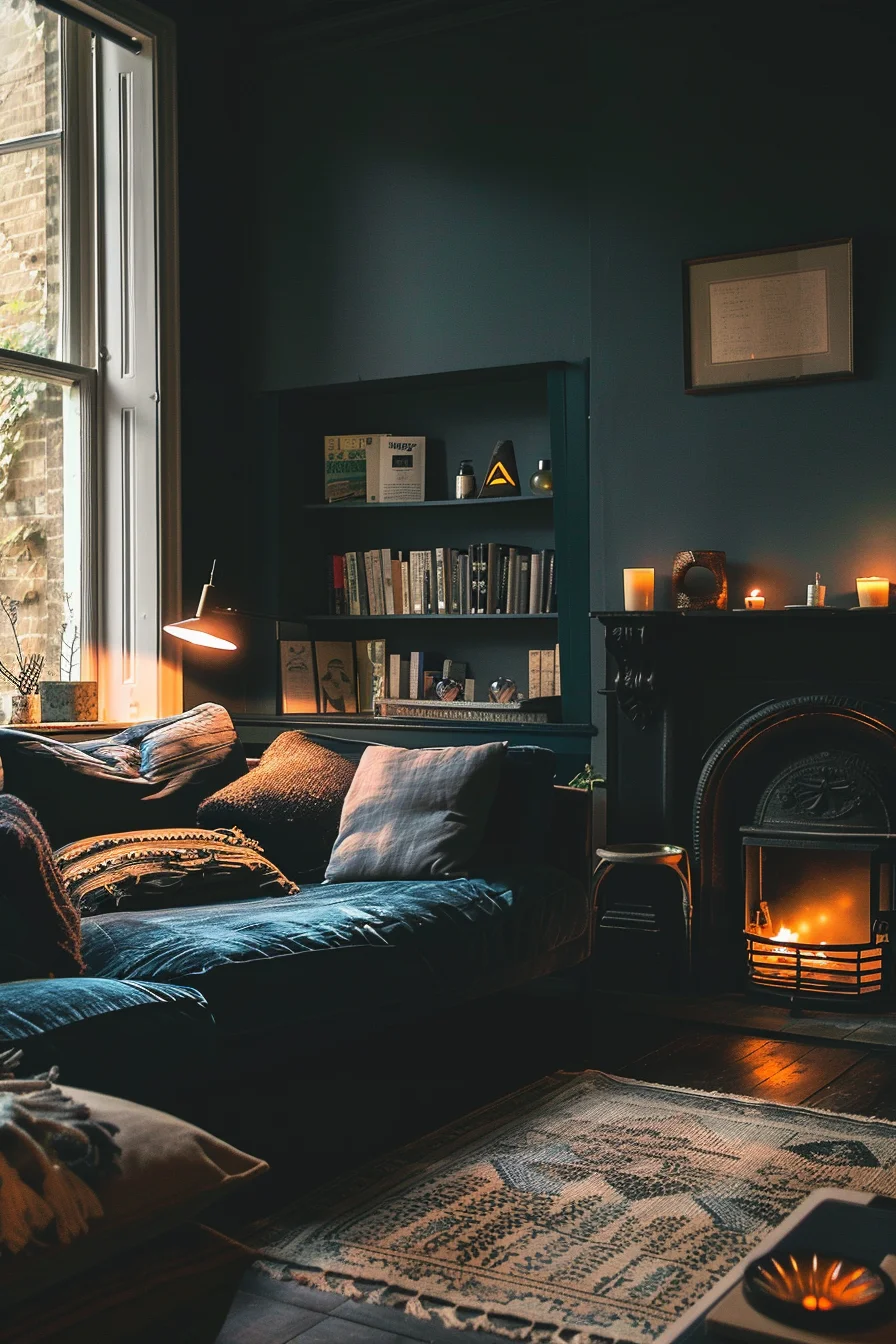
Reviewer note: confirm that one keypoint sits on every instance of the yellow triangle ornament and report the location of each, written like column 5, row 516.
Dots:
column 502, row 477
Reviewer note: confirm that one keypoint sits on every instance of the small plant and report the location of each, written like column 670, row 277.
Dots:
column 588, row 779
column 27, row 678
column 70, row 648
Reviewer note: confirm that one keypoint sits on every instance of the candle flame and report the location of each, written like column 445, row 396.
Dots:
column 757, row 592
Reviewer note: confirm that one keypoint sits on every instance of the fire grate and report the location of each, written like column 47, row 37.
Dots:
column 844, row 970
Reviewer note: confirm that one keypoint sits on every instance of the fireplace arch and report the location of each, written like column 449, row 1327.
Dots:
column 780, row 739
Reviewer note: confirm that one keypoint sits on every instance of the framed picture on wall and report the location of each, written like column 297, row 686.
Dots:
column 763, row 319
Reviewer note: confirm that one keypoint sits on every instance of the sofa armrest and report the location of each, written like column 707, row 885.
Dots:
column 570, row 840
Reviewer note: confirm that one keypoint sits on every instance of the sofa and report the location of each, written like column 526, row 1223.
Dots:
column 168, row 994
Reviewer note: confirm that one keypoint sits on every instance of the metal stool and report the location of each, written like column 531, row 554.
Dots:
column 650, row 925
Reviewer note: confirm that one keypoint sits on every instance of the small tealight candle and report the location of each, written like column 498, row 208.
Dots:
column 637, row 587
column 873, row 592
column 754, row 601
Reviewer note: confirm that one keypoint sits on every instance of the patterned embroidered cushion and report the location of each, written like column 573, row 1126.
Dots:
column 417, row 814
column 150, row 775
column 291, row 802
column 153, row 870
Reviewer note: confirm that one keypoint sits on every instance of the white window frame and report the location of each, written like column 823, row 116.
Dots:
column 153, row 569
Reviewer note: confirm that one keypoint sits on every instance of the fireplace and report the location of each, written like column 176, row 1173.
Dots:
column 766, row 744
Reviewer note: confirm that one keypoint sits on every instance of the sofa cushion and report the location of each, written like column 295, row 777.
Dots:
column 291, row 803
column 517, row 827
column 346, row 955
column 415, row 814
column 167, row 1172
column 40, row 929
column 142, row 1041
column 148, row 776
column 148, row 870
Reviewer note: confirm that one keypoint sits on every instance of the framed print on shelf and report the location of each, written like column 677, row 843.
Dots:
column 298, row 682
column 760, row 319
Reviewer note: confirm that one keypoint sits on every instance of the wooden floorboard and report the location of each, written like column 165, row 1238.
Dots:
column 867, row 1088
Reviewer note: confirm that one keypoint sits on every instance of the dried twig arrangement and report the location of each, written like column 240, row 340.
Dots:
column 27, row 678
column 71, row 647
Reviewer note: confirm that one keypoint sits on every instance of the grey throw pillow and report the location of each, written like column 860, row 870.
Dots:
column 415, row 814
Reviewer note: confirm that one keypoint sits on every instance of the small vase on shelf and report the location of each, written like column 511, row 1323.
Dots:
column 25, row 709
column 541, row 482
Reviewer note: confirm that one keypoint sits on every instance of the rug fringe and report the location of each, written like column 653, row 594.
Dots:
column 429, row 1309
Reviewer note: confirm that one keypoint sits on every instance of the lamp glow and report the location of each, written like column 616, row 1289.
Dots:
column 202, row 629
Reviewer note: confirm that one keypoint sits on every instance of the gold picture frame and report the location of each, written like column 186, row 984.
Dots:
column 769, row 318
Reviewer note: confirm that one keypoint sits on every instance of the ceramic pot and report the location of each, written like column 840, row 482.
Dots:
column 25, row 709
column 68, row 701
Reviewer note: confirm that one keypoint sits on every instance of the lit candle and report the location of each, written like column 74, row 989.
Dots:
column 873, row 592
column 638, row 589
column 754, row 601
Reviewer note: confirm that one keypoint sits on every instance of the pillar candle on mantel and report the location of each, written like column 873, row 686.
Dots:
column 873, row 592
column 637, row 587
column 754, row 601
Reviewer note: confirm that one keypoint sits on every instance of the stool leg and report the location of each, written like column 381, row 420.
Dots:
column 602, row 871
column 683, row 870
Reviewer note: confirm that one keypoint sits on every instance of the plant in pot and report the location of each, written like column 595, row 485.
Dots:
column 69, row 700
column 25, row 676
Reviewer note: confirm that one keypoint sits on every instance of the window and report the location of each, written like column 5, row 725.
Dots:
column 82, row 327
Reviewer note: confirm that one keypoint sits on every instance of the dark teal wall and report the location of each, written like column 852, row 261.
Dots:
column 723, row 131
column 423, row 204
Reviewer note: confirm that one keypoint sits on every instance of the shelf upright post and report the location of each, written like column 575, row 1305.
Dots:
column 568, row 418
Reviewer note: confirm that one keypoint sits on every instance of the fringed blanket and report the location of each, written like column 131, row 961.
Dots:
column 51, row 1150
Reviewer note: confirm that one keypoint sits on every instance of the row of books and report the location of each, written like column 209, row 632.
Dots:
column 341, row 677
column 488, row 579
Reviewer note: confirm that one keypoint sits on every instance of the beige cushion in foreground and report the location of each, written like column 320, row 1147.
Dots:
column 168, row 1172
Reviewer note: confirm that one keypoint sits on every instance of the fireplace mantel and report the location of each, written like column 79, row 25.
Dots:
column 676, row 680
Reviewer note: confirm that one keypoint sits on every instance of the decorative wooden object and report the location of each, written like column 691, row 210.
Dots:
column 502, row 477
column 682, row 565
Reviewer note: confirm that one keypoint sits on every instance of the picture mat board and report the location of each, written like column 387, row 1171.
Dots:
column 759, row 318
column 298, row 679
column 336, row 680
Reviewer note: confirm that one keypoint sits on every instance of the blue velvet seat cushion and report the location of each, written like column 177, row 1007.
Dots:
column 139, row 1041
column 346, row 951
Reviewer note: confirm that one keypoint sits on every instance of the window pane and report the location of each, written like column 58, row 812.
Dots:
column 30, row 100
column 40, row 521
column 29, row 250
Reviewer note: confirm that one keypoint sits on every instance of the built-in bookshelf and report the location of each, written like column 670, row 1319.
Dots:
column 543, row 409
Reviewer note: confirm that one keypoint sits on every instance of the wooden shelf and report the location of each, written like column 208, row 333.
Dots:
column 360, row 506
column 374, row 723
column 455, row 616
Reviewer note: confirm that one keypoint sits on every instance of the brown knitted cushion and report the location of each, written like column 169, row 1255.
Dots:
column 40, row 928
column 291, row 803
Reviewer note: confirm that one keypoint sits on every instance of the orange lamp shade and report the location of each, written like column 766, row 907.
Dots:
column 205, row 629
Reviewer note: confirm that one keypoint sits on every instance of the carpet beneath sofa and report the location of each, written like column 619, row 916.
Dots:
column 584, row 1207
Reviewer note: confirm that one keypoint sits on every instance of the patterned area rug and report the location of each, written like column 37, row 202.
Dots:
column 582, row 1208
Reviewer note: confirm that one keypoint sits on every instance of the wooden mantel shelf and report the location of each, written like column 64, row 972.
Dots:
column 813, row 614
column 89, row 728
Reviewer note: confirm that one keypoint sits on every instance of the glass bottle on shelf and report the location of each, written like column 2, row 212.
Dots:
column 465, row 481
column 541, row 482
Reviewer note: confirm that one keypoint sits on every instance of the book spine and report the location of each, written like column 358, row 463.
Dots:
column 397, row 593
column 547, row 672
column 363, row 590
column 417, row 558
column 407, row 604
column 454, row 596
column 557, row 669
column 469, row 689
column 548, row 586
column 535, row 584
column 502, row 607
column 371, row 583
column 416, row 675
column 331, row 585
column 394, row 691
column 523, row 588
column 513, row 577
column 375, row 580
column 534, row 674
column 441, row 582
column 464, row 581
column 429, row 592
column 354, row 587
column 339, row 583
column 458, row 711
column 492, row 578
column 404, row 680
column 386, row 577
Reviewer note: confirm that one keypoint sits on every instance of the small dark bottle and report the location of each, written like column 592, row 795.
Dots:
column 465, row 481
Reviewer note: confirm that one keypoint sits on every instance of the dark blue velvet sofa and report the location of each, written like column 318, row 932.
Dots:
column 168, row 992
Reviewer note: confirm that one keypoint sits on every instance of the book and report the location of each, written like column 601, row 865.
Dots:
column 345, row 467
column 459, row 711
column 418, row 577
column 363, row 587
column 364, row 673
column 397, row 588
column 421, row 664
column 298, row 682
column 335, row 661
column 395, row 469
column 469, row 689
column 547, row 672
column 407, row 607
column 535, row 584
column 443, row 569
column 522, row 603
column 379, row 582
column 492, row 577
column 336, row 604
column 534, row 673
column 393, row 685
column 548, row 582
column 501, row 606
column 404, row 679
column 387, row 581
column 453, row 671
column 556, row 669
column 429, row 585
column 353, row 586
column 373, row 607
